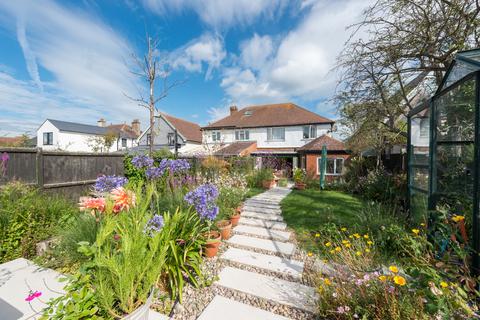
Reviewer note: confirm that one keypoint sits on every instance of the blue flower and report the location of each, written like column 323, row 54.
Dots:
column 153, row 173
column 204, row 200
column 108, row 183
column 154, row 225
column 142, row 161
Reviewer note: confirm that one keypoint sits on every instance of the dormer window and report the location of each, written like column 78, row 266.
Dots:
column 242, row 135
column 248, row 113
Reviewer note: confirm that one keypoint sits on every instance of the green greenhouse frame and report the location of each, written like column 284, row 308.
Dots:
column 444, row 145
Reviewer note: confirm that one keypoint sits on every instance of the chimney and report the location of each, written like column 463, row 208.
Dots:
column 101, row 122
column 233, row 109
column 136, row 126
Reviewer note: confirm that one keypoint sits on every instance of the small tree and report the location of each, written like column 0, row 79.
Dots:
column 102, row 143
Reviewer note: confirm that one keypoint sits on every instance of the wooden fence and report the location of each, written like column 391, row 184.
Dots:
column 68, row 173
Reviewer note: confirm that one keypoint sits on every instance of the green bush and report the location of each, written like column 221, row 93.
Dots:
column 28, row 216
column 255, row 179
column 228, row 200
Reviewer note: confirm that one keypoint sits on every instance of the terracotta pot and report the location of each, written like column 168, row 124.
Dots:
column 225, row 227
column 234, row 219
column 213, row 242
column 268, row 184
column 239, row 209
column 300, row 185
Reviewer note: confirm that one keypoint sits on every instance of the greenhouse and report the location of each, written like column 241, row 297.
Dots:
column 443, row 137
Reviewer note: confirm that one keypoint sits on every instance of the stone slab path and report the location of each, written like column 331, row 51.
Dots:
column 261, row 229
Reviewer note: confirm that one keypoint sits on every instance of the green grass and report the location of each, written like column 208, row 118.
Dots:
column 253, row 192
column 306, row 211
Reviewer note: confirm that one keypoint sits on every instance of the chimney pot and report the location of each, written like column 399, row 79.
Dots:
column 136, row 127
column 233, row 109
column 101, row 122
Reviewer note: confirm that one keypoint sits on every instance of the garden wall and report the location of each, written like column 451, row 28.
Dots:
column 68, row 173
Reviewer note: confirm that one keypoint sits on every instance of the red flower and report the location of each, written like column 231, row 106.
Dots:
column 33, row 295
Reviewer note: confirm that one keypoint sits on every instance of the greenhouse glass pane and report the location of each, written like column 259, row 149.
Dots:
column 459, row 70
column 419, row 178
column 455, row 113
column 420, row 137
column 454, row 168
column 418, row 206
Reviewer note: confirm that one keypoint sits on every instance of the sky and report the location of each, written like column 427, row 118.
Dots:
column 74, row 60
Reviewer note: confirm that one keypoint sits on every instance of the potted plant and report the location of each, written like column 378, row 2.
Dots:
column 225, row 227
column 268, row 178
column 299, row 178
column 213, row 240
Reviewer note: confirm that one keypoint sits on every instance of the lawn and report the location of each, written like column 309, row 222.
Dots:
column 253, row 192
column 307, row 210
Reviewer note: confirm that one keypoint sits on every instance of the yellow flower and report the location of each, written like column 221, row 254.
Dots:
column 382, row 278
column 328, row 244
column 358, row 253
column 399, row 280
column 422, row 224
column 369, row 242
column 416, row 231
column 356, row 235
column 310, row 254
column 348, row 245
column 367, row 250
column 317, row 235
column 365, row 236
column 351, row 237
column 394, row 269
column 344, row 229
column 338, row 249
column 345, row 241
column 327, row 281
column 458, row 218
column 443, row 284
column 325, row 261
column 332, row 251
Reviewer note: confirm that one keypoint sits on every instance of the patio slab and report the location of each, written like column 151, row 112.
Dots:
column 221, row 308
column 270, row 288
column 264, row 261
column 262, row 223
column 263, row 232
column 254, row 208
column 264, row 216
column 268, row 245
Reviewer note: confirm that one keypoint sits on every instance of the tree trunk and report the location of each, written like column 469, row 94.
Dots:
column 152, row 117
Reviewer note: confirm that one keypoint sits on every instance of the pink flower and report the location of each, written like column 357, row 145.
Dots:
column 123, row 199
column 93, row 204
column 33, row 295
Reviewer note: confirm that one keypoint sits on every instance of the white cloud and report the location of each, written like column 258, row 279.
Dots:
column 220, row 14
column 300, row 65
column 207, row 49
column 85, row 58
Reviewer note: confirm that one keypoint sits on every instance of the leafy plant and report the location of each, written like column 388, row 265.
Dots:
column 299, row 175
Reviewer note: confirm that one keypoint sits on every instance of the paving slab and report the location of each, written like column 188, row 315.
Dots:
column 286, row 248
column 264, row 216
column 264, row 261
column 221, row 308
column 270, row 288
column 262, row 223
column 258, row 204
column 254, row 208
column 154, row 315
column 263, row 232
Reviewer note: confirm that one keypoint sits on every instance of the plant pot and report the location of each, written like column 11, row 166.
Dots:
column 213, row 242
column 142, row 312
column 234, row 219
column 300, row 185
column 268, row 184
column 238, row 210
column 225, row 227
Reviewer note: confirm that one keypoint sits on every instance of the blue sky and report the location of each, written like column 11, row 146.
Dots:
column 71, row 60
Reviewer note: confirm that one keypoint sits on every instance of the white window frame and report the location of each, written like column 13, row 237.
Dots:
column 312, row 132
column 216, row 136
column 49, row 141
column 242, row 135
column 425, row 133
column 334, row 166
column 171, row 139
column 270, row 134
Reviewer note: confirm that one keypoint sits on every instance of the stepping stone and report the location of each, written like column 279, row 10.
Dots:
column 264, row 261
column 262, row 223
column 264, row 216
column 262, row 210
column 221, row 308
column 264, row 232
column 154, row 315
column 262, row 205
column 270, row 288
column 286, row 248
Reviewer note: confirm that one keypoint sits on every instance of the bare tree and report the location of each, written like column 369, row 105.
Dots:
column 150, row 69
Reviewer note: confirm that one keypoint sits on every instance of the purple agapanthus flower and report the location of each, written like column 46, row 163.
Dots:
column 204, row 199
column 154, row 225
column 142, row 161
column 153, row 173
column 108, row 183
column 174, row 166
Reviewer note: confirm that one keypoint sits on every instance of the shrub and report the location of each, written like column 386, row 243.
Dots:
column 256, row 179
column 28, row 216
column 299, row 175
column 228, row 200
column 213, row 166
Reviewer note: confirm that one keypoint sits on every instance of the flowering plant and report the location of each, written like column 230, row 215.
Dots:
column 122, row 199
column 154, row 225
column 142, row 161
column 108, row 183
column 204, row 199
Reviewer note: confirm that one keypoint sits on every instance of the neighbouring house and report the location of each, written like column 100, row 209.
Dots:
column 19, row 141
column 310, row 156
column 275, row 131
column 78, row 137
column 168, row 130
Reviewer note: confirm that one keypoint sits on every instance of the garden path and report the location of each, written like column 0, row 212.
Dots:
column 262, row 266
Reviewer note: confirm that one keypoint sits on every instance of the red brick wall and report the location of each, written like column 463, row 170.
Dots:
column 311, row 164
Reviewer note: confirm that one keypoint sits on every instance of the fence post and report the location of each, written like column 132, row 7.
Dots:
column 39, row 167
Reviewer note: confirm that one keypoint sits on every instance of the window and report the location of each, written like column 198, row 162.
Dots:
column 48, row 138
column 149, row 138
column 334, row 166
column 171, row 139
column 242, row 135
column 309, row 132
column 424, row 127
column 124, row 142
column 216, row 136
column 275, row 134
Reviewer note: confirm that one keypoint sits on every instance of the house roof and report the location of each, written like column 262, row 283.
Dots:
column 235, row 149
column 123, row 130
column 10, row 141
column 317, row 144
column 190, row 130
column 270, row 115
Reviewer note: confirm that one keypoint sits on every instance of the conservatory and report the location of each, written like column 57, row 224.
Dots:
column 443, row 148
